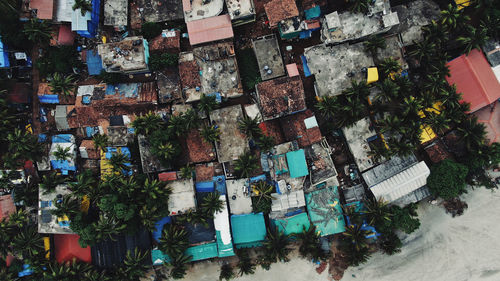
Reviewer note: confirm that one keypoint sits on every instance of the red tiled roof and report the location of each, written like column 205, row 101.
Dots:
column 278, row 10
column 281, row 96
column 166, row 43
column 167, row 176
column 437, row 152
column 210, row 29
column 490, row 117
column 475, row 79
column 45, row 8
column 92, row 152
column 6, row 206
column 204, row 172
column 66, row 248
column 292, row 70
column 294, row 128
column 195, row 149
column 273, row 128
column 65, row 36
column 189, row 73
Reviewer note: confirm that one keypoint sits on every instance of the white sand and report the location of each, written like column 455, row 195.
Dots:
column 465, row 248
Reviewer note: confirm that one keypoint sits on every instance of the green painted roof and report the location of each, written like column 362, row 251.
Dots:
column 203, row 251
column 293, row 224
column 297, row 164
column 325, row 211
column 248, row 228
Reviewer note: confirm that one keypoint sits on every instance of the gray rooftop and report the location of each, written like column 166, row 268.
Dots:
column 353, row 193
column 169, row 87
column 412, row 17
column 492, row 51
column 321, row 167
column 119, row 136
column 182, row 198
column 240, row 9
column 115, row 12
column 48, row 223
column 413, row 197
column 392, row 50
column 61, row 117
column 127, row 56
column 290, row 200
column 160, row 10
column 331, row 66
column 269, row 58
column 149, row 162
column 240, row 201
column 63, row 10
column 201, row 9
column 232, row 142
column 357, row 137
column 387, row 169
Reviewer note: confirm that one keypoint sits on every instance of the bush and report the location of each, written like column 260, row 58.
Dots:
column 151, row 29
column 404, row 220
column 58, row 59
column 249, row 69
column 159, row 62
column 447, row 179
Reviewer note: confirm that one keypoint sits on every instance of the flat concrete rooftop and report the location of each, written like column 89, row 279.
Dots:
column 239, row 203
column 269, row 57
column 182, row 198
column 115, row 12
column 357, row 138
column 238, row 9
column 201, row 9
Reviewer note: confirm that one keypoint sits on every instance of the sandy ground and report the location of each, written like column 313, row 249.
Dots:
column 464, row 248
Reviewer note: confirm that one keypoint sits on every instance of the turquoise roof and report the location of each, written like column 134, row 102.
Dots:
column 249, row 228
column 198, row 252
column 325, row 211
column 297, row 164
column 223, row 249
column 291, row 225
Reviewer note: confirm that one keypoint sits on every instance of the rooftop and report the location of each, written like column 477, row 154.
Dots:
column 437, row 152
column 292, row 225
column 354, row 193
column 182, row 198
column 169, row 88
column 335, row 66
column 111, row 252
column 281, row 96
column 209, row 29
column 392, row 50
column 278, row 10
column 223, row 231
column 6, row 206
column 358, row 135
column 189, row 73
column 475, row 79
column 168, row 40
column 387, row 169
column 490, row 117
column 412, row 17
column 201, row 9
column 154, row 11
column 48, row 223
column 240, row 9
column 108, row 95
column 87, row 150
column 301, row 127
column 67, row 248
column 44, row 8
column 492, row 51
column 239, row 203
column 325, row 211
column 45, row 95
column 232, row 142
column 320, row 164
column 248, row 230
column 115, row 12
column 64, row 10
column 286, row 201
column 269, row 58
column 149, row 162
column 127, row 56
column 195, row 149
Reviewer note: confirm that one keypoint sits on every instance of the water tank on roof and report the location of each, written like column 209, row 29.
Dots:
column 269, row 71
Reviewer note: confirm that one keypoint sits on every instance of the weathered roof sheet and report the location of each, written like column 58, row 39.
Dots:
column 115, row 12
column 294, row 128
column 297, row 163
column 210, row 29
column 278, row 10
column 45, row 8
column 169, row 40
column 281, row 96
column 292, row 225
column 325, row 211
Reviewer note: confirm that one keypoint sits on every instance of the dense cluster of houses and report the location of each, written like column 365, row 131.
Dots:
column 308, row 188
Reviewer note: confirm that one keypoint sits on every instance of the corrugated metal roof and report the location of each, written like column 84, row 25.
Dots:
column 475, row 79
column 402, row 183
column 203, row 251
column 293, row 224
column 210, row 29
column 79, row 22
column 45, row 8
column 325, row 211
column 94, row 63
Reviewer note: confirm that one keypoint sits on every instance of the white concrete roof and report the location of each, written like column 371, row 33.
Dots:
column 221, row 222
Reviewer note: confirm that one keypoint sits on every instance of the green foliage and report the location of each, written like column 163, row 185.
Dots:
column 187, row 172
column 179, row 265
column 50, row 182
column 111, row 77
column 63, row 85
column 134, row 266
column 246, row 165
column 391, row 243
column 84, row 6
column 447, row 179
column 249, row 69
column 210, row 134
column 212, row 204
column 68, row 205
column 151, row 29
column 119, row 162
column 148, row 123
column 174, row 240
column 354, row 245
column 28, row 243
column 10, row 25
column 389, row 65
column 62, row 153
column 58, row 60
column 250, row 127
column 265, row 143
column 310, row 244
column 245, row 264
column 20, row 146
column 101, row 141
column 276, row 245
column 474, row 39
column 161, row 61
column 38, row 31
column 359, row 6
column 226, row 272
column 405, row 219
column 373, row 43
column 263, row 201
column 207, row 103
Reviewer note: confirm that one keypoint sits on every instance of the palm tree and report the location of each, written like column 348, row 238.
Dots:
column 388, row 90
column 167, row 151
column 155, row 189
column 149, row 217
column 28, row 243
column 374, row 43
column 210, row 134
column 23, row 145
column 147, row 124
column 276, row 245
column 63, row 85
column 246, row 165
column 174, row 240
column 402, row 148
column 250, row 127
column 68, row 206
column 356, row 237
column 436, row 33
column 355, row 257
column 66, row 271
column 309, row 242
column 353, row 215
column 377, row 212
column 440, row 122
column 359, row 6
column 191, row 120
column 405, row 85
column 212, row 204
column 475, row 38
column 358, row 90
column 207, row 103
column 328, row 106
column 38, row 31
column 135, row 264
column 119, row 162
column 265, row 143
column 179, row 265
column 106, row 228
column 226, row 272
column 245, row 264
column 452, row 17
column 472, row 133
column 389, row 65
column 62, row 153
column 50, row 182
column 391, row 243
column 423, row 50
column 187, row 172
column 434, row 84
column 101, row 141
column 263, row 191
column 84, row 6
column 177, row 124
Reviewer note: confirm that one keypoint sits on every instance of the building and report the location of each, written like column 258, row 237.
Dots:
column 223, row 231
column 240, row 11
column 111, row 253
column 48, row 223
column 412, row 17
column 142, row 11
column 269, row 60
column 358, row 137
column 116, row 13
column 248, row 230
column 280, row 97
column 43, row 9
column 149, row 162
column 239, row 198
column 209, row 29
column 399, row 180
column 201, row 9
column 301, row 127
column 475, row 79
column 287, row 202
column 232, row 142
column 190, row 78
column 334, row 67
column 88, row 150
column 195, row 149
column 65, row 142
column 353, row 193
column 62, row 36
column 324, row 210
column 45, row 96
column 320, row 163
column 287, row 166
column 167, row 41
column 169, row 87
column 183, row 196
column 293, row 224
column 63, row 10
column 130, row 55
column 86, row 25
column 279, row 10
column 347, row 26
column 67, row 249
column 490, row 117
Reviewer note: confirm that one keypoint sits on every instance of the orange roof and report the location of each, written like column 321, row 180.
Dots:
column 278, row 10
column 167, row 176
column 490, row 117
column 475, row 79
column 210, row 29
column 6, row 206
column 45, row 8
column 292, row 70
column 66, row 248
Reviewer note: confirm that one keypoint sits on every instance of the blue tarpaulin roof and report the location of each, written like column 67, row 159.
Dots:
column 218, row 97
column 54, row 99
column 125, row 90
column 205, row 186
column 297, row 164
column 248, row 229
column 159, row 227
column 4, row 55
column 62, row 138
column 313, row 13
column 307, row 72
column 220, row 184
column 293, row 224
column 94, row 62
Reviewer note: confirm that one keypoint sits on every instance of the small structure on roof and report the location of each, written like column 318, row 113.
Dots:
column 334, row 67
column 292, row 224
column 475, row 79
column 248, row 230
column 130, row 55
column 301, row 127
column 492, row 51
column 182, row 198
column 168, row 40
column 240, row 11
column 199, row 9
column 116, row 13
column 358, row 137
column 348, row 26
column 320, row 163
column 64, row 142
column 232, row 142
column 47, row 222
column 267, row 52
column 279, row 10
column 280, row 97
column 239, row 197
column 67, row 248
column 142, row 11
column 169, row 87
column 412, row 17
column 325, row 211
column 209, row 29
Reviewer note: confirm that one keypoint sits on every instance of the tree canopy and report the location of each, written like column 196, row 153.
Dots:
column 447, row 179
